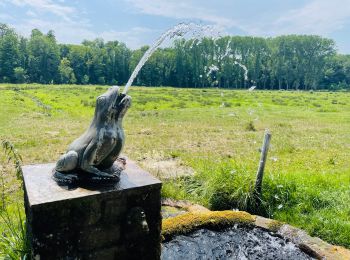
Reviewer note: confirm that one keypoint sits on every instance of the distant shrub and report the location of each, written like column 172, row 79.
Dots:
column 326, row 110
column 250, row 126
column 181, row 104
column 279, row 101
column 175, row 154
column 85, row 79
column 87, row 103
column 206, row 102
column 101, row 80
column 20, row 75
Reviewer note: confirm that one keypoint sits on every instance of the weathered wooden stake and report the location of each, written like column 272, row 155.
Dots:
column 260, row 173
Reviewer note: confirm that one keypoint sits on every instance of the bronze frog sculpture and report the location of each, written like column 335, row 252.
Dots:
column 91, row 157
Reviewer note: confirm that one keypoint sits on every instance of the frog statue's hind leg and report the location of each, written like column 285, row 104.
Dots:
column 64, row 166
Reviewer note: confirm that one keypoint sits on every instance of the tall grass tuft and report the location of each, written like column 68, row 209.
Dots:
column 250, row 126
column 310, row 201
column 13, row 240
column 10, row 160
column 12, row 154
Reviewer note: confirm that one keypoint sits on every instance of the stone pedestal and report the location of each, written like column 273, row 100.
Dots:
column 85, row 223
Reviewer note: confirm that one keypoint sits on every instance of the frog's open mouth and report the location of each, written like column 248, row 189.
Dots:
column 122, row 101
column 122, row 104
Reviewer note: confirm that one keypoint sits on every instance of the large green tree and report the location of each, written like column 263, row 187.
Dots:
column 9, row 54
column 283, row 62
column 66, row 72
column 43, row 57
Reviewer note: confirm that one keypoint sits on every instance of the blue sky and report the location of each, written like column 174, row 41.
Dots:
column 140, row 22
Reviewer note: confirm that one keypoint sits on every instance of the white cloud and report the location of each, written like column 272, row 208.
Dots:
column 315, row 17
column 6, row 17
column 181, row 9
column 48, row 6
column 320, row 17
column 63, row 19
column 73, row 32
column 72, row 25
column 31, row 13
column 65, row 31
column 70, row 28
column 133, row 38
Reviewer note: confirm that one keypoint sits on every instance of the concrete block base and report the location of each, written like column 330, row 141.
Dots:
column 122, row 221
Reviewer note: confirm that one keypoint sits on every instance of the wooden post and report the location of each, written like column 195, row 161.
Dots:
column 260, row 173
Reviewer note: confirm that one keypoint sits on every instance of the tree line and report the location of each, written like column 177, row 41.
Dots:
column 285, row 62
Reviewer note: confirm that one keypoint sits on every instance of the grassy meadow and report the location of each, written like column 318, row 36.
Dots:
column 209, row 140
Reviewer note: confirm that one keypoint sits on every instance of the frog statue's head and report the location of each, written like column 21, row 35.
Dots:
column 113, row 103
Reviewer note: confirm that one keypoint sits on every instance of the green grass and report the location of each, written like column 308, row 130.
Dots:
column 13, row 241
column 218, row 134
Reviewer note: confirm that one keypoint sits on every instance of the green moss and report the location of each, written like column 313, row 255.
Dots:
column 275, row 225
column 191, row 221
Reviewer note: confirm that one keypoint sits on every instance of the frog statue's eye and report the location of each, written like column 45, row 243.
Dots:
column 101, row 101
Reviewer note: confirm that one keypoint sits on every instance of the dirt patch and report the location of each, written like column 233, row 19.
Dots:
column 166, row 168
